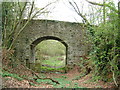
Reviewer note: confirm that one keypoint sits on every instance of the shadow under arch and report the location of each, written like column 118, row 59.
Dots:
column 37, row 41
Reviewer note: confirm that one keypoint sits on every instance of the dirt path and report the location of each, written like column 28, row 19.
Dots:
column 85, row 81
column 82, row 82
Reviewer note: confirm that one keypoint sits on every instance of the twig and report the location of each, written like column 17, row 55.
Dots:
column 114, row 77
column 77, row 10
column 113, row 71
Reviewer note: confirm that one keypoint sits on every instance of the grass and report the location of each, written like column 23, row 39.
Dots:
column 47, row 69
column 51, row 65
column 64, row 83
column 6, row 74
column 53, row 61
column 62, row 80
column 45, row 81
column 78, row 77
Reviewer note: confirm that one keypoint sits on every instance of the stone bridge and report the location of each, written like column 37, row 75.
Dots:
column 69, row 34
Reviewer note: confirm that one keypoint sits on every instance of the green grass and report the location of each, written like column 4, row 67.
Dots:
column 80, row 76
column 6, row 74
column 64, row 83
column 47, row 69
column 52, row 64
column 47, row 81
column 53, row 61
column 62, row 80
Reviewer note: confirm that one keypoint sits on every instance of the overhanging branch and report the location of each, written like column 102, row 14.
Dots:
column 107, row 5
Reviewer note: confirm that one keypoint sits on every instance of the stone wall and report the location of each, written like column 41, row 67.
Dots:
column 70, row 34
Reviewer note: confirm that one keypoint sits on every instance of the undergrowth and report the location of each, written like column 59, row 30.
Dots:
column 7, row 74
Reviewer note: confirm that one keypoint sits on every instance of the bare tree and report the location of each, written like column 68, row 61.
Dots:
column 13, row 19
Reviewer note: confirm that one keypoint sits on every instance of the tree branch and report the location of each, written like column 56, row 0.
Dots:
column 18, row 21
column 30, row 17
column 107, row 5
column 77, row 10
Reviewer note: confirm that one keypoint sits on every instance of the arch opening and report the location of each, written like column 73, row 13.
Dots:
column 49, row 53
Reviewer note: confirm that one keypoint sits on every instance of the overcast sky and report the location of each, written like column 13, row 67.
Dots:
column 62, row 11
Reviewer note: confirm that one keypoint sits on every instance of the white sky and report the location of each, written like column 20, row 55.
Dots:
column 63, row 11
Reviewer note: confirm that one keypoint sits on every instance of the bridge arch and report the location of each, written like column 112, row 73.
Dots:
column 39, row 40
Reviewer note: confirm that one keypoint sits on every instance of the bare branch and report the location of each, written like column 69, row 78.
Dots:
column 20, row 18
column 30, row 16
column 77, row 10
column 73, row 7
